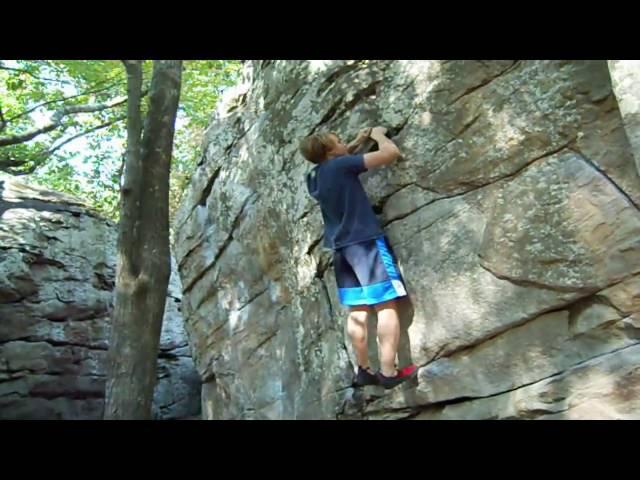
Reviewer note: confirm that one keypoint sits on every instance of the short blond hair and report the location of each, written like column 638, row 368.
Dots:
column 315, row 147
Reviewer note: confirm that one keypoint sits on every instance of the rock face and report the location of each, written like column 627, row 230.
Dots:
column 513, row 211
column 57, row 274
column 625, row 76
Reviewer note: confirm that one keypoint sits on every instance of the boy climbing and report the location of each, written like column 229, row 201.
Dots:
column 367, row 274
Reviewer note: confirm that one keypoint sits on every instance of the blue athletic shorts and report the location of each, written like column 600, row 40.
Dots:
column 367, row 273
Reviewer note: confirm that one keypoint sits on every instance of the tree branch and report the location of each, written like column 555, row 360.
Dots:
column 57, row 117
column 3, row 123
column 89, row 108
column 63, row 99
column 12, row 165
column 21, row 70
column 6, row 164
column 86, row 132
column 15, row 139
column 134, row 122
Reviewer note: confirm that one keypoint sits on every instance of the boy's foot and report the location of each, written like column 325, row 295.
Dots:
column 365, row 377
column 408, row 370
column 400, row 376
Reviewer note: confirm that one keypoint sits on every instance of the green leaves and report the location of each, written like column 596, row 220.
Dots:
column 15, row 83
column 88, row 166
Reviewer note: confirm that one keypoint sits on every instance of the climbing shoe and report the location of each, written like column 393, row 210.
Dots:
column 408, row 370
column 365, row 377
column 400, row 377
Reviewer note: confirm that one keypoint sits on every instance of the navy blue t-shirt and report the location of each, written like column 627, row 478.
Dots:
column 346, row 210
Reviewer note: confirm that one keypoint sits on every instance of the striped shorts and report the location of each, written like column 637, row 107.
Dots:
column 367, row 273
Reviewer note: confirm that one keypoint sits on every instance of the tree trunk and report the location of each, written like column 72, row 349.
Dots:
column 143, row 267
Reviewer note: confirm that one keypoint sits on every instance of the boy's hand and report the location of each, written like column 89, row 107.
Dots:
column 378, row 132
column 363, row 135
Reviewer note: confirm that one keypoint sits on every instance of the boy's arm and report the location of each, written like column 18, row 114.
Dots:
column 387, row 150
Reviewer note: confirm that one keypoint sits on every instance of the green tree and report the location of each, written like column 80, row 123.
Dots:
column 62, row 123
column 203, row 83
column 144, row 263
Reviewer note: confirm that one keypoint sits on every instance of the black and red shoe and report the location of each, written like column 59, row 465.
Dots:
column 401, row 376
column 365, row 377
column 408, row 370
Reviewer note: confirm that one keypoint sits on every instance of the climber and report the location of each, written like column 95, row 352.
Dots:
column 367, row 274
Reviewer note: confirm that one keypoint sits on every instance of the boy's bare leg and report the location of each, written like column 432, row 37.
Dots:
column 388, row 336
column 357, row 329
